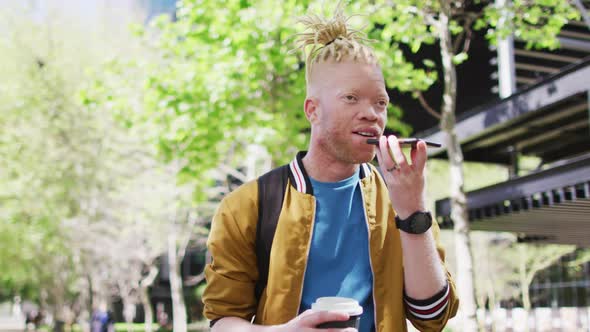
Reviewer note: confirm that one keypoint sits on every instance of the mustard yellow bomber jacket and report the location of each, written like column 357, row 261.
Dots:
column 232, row 274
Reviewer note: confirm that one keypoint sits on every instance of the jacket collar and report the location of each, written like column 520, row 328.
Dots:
column 300, row 180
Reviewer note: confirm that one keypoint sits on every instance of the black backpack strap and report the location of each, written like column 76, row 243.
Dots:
column 271, row 191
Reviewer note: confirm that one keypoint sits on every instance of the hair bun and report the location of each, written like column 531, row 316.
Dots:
column 332, row 39
column 321, row 31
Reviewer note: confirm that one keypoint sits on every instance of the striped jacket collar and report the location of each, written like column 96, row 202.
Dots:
column 300, row 180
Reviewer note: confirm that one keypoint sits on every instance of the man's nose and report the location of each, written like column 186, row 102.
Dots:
column 370, row 113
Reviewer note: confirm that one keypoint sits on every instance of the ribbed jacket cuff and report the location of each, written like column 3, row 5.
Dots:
column 431, row 308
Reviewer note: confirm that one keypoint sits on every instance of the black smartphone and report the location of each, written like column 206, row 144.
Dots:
column 406, row 141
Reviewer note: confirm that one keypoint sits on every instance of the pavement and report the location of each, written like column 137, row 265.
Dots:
column 9, row 322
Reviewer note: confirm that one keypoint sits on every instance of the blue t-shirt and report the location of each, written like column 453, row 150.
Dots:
column 338, row 262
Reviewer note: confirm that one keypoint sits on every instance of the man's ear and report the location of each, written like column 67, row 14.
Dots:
column 311, row 108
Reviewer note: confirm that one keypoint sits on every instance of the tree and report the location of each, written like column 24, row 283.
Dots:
column 214, row 78
column 232, row 63
column 120, row 248
column 221, row 75
column 450, row 23
column 517, row 265
column 495, row 278
column 39, row 179
column 506, row 268
column 533, row 258
column 66, row 172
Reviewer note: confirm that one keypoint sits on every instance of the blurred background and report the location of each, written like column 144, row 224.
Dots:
column 124, row 123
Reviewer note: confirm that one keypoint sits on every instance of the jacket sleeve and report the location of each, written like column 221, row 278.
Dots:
column 432, row 314
column 232, row 273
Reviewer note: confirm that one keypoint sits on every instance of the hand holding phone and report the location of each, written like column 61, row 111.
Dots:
column 405, row 141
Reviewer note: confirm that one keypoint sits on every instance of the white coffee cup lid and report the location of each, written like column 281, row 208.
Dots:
column 338, row 304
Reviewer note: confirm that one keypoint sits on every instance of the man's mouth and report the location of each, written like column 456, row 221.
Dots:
column 367, row 134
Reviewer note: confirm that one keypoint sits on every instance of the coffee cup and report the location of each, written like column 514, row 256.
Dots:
column 339, row 304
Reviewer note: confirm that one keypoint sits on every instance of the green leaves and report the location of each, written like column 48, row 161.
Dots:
column 62, row 157
column 536, row 23
column 192, row 92
column 220, row 77
column 429, row 63
column 459, row 58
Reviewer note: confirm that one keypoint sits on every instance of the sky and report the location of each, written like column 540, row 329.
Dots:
column 93, row 11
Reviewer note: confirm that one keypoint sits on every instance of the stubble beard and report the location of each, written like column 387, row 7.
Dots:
column 343, row 151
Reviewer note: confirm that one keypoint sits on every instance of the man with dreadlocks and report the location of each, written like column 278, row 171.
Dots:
column 344, row 229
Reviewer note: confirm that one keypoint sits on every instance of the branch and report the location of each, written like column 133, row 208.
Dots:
column 234, row 172
column 378, row 8
column 583, row 11
column 195, row 280
column 467, row 42
column 426, row 106
column 192, row 221
column 541, row 262
column 149, row 279
column 466, row 34
column 581, row 258
column 458, row 42
column 217, row 191
column 430, row 19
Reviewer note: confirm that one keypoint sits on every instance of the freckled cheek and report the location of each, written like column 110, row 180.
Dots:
column 383, row 118
column 338, row 128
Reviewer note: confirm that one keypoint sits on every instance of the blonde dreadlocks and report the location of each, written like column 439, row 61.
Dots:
column 332, row 40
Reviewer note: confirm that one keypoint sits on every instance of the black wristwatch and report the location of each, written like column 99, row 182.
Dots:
column 417, row 223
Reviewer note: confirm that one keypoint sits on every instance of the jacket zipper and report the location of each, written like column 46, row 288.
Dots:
column 370, row 260
column 307, row 255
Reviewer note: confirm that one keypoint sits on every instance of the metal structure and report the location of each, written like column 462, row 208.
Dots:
column 549, row 118
column 551, row 205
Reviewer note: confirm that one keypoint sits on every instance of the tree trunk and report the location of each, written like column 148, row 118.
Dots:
column 524, row 284
column 178, row 306
column 128, row 311
column 59, row 321
column 490, row 290
column 492, row 303
column 58, row 325
column 59, row 315
column 465, row 285
column 89, row 303
column 481, row 302
column 147, row 309
column 145, row 298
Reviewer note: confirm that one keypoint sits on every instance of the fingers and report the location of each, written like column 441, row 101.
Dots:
column 396, row 151
column 391, row 156
column 384, row 159
column 348, row 329
column 305, row 313
column 385, row 156
column 315, row 318
column 419, row 155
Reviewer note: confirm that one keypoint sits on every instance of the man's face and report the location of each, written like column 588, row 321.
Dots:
column 346, row 105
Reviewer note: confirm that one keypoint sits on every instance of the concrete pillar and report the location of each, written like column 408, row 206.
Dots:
column 506, row 67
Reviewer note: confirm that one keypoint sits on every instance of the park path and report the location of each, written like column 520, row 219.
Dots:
column 8, row 321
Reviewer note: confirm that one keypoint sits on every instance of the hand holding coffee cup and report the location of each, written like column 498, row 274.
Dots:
column 310, row 319
column 341, row 305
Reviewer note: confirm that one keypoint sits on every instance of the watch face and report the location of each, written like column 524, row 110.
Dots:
column 421, row 223
column 417, row 223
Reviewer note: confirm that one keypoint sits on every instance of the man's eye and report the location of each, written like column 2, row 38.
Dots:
column 382, row 103
column 350, row 98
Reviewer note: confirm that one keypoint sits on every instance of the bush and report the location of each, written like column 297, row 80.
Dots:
column 136, row 327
